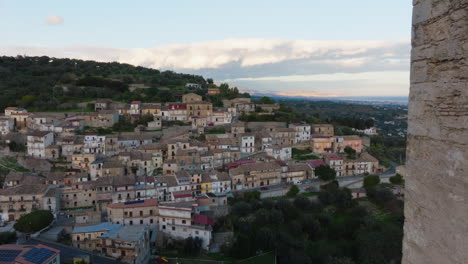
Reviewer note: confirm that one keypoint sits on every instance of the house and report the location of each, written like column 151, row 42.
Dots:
column 37, row 254
column 37, row 143
column 215, row 182
column 268, row 108
column 136, row 212
column 103, row 118
column 94, row 143
column 283, row 136
column 364, row 163
column 322, row 130
column 296, row 173
column 322, row 144
column 253, row 175
column 102, row 104
column 20, row 115
column 88, row 237
column 22, row 199
column 247, row 143
column 156, row 124
column 213, row 91
column 17, row 178
column 129, row 244
column 335, row 162
column 191, row 97
column 135, row 108
column 280, row 152
column 7, row 125
column 176, row 220
column 193, row 86
column 199, row 108
column 303, row 132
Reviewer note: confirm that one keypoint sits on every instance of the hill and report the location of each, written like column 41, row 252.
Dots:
column 44, row 83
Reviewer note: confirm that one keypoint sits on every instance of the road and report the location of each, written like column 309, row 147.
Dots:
column 67, row 253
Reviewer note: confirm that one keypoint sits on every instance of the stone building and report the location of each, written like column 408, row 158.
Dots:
column 436, row 216
column 322, row 130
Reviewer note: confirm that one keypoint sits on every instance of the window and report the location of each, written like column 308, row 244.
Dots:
column 183, row 221
column 173, row 228
column 141, row 222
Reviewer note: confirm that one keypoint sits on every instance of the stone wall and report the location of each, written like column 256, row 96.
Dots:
column 436, row 209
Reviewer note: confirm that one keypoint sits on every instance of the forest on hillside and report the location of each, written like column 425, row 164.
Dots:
column 44, row 83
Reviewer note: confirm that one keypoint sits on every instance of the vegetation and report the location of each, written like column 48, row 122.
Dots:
column 397, row 179
column 7, row 237
column 34, row 221
column 350, row 152
column 303, row 154
column 49, row 83
column 325, row 173
column 293, row 191
column 387, row 149
column 192, row 246
column 371, row 181
column 335, row 229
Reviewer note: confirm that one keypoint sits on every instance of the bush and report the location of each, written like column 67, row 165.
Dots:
column 397, row 179
column 293, row 191
column 7, row 237
column 325, row 173
column 34, row 221
column 371, row 181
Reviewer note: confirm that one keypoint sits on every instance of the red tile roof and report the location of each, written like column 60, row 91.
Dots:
column 203, row 220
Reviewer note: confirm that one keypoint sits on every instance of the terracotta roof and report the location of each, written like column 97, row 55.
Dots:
column 203, row 220
column 316, row 163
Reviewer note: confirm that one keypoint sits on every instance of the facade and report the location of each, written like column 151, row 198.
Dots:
column 7, row 125
column 303, row 132
column 94, row 144
column 247, row 142
column 138, row 212
column 38, row 141
column 253, row 175
column 22, row 199
column 323, row 130
column 322, row 144
column 129, row 244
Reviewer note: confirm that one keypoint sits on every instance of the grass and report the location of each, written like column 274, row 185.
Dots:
column 285, row 197
column 215, row 258
column 10, row 163
column 303, row 154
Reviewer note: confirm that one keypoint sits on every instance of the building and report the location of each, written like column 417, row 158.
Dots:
column 302, row 132
column 322, row 144
column 213, row 91
column 88, row 237
column 22, row 199
column 38, row 141
column 94, row 143
column 247, row 143
column 253, row 175
column 129, row 244
column 191, row 97
column 137, row 212
column 103, row 118
column 322, row 130
column 27, row 254
column 335, row 162
column 20, row 115
column 193, row 86
column 341, row 142
column 176, row 220
column 135, row 108
column 199, row 108
column 280, row 152
column 7, row 125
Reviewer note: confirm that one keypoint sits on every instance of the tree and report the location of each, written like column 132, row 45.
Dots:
column 34, row 221
column 293, row 191
column 266, row 100
column 192, row 246
column 325, row 173
column 371, row 181
column 397, row 179
column 351, row 153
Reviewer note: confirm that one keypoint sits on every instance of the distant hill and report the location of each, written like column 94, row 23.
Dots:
column 44, row 83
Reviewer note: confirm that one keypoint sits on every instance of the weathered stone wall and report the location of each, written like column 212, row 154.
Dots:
column 436, row 208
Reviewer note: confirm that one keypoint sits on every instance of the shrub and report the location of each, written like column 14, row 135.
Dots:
column 34, row 221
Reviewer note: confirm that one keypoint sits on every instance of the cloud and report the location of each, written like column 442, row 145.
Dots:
column 246, row 61
column 54, row 20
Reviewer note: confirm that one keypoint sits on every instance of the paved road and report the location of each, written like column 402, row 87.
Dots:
column 67, row 253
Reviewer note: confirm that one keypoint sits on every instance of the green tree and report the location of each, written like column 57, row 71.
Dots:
column 325, row 173
column 192, row 246
column 34, row 221
column 293, row 191
column 351, row 153
column 266, row 100
column 397, row 179
column 371, row 181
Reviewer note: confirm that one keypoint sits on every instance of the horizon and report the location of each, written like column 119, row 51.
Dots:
column 343, row 54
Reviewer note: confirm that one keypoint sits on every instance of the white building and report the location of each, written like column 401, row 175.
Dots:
column 135, row 108
column 302, row 132
column 280, row 152
column 37, row 143
column 175, row 219
column 6, row 125
column 247, row 143
column 94, row 143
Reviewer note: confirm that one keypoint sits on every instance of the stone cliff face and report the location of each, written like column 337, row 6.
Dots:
column 436, row 208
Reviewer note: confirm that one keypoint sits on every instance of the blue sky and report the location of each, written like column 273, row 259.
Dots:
column 316, row 47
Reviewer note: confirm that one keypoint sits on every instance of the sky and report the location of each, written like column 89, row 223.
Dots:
column 294, row 47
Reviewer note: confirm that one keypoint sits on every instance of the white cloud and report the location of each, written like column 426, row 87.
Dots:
column 54, row 20
column 259, row 63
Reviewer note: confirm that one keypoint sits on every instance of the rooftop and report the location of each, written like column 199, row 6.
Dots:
column 106, row 226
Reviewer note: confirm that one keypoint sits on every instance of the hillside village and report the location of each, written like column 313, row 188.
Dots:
column 169, row 172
